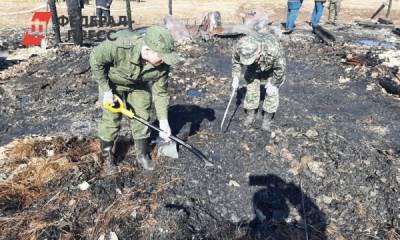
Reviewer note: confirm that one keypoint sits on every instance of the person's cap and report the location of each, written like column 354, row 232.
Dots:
column 247, row 48
column 160, row 40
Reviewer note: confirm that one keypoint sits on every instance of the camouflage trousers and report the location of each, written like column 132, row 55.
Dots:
column 138, row 100
column 252, row 99
column 334, row 9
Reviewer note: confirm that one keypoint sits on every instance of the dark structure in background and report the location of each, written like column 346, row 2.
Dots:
column 386, row 19
column 129, row 14
column 54, row 20
column 75, row 20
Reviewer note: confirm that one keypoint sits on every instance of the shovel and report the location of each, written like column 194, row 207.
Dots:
column 119, row 107
column 166, row 148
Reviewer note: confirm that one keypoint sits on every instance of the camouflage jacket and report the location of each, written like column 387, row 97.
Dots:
column 118, row 65
column 272, row 60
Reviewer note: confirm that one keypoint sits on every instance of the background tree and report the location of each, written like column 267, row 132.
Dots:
column 54, row 20
column 75, row 20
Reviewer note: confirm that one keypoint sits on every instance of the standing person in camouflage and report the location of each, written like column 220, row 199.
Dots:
column 263, row 55
column 317, row 13
column 334, row 10
column 136, row 69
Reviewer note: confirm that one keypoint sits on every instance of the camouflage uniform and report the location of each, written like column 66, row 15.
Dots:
column 120, row 70
column 271, row 67
column 334, row 9
column 117, row 66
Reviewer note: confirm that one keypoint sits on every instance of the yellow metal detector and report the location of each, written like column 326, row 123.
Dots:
column 119, row 107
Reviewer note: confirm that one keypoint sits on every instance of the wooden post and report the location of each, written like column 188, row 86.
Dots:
column 378, row 11
column 54, row 20
column 129, row 14
column 170, row 7
column 389, row 8
column 75, row 20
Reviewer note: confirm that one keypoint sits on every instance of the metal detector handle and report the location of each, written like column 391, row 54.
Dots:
column 119, row 107
column 193, row 150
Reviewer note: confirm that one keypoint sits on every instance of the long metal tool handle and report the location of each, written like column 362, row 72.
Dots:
column 227, row 108
column 194, row 150
column 119, row 107
column 379, row 10
column 389, row 8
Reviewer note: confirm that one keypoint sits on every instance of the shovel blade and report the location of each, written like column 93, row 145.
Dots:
column 168, row 149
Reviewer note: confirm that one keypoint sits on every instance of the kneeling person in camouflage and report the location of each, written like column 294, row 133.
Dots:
column 136, row 69
column 264, row 57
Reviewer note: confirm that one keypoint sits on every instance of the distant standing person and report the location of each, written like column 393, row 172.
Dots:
column 103, row 10
column 293, row 11
column 334, row 10
column 317, row 13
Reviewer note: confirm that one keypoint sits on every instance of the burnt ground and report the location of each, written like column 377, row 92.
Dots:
column 329, row 169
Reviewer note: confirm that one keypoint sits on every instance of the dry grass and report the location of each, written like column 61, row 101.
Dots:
column 334, row 232
column 29, row 204
column 21, row 150
column 29, row 224
column 127, row 203
column 123, row 206
column 28, row 171
column 360, row 209
column 149, row 223
column 30, row 165
column 393, row 234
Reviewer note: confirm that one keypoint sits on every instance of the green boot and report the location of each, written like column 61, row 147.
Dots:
column 251, row 116
column 107, row 156
column 142, row 156
column 266, row 123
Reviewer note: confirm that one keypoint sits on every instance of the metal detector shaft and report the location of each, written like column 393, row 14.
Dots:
column 119, row 107
column 194, row 150
column 227, row 108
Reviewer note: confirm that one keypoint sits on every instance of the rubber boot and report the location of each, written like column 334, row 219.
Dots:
column 142, row 156
column 251, row 116
column 266, row 123
column 107, row 156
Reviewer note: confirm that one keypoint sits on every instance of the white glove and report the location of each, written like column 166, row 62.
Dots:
column 271, row 89
column 166, row 130
column 108, row 97
column 235, row 83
